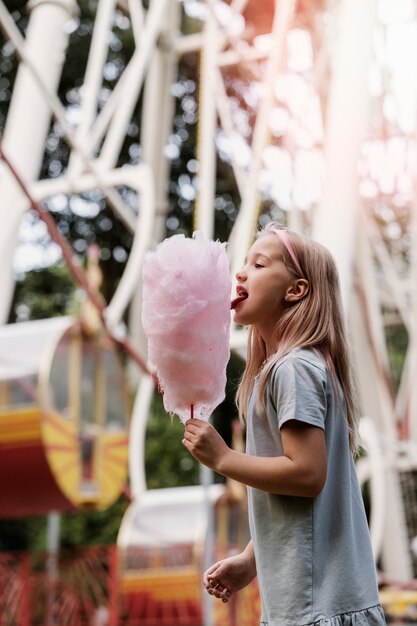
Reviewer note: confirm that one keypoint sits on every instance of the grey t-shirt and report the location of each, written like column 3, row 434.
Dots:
column 313, row 555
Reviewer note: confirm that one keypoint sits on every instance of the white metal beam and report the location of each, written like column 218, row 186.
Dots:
column 246, row 221
column 28, row 121
column 335, row 219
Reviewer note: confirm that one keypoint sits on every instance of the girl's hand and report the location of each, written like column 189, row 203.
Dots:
column 226, row 577
column 204, row 443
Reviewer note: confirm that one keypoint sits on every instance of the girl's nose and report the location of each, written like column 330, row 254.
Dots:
column 240, row 275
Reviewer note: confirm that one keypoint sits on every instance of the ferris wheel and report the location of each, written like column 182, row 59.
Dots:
column 310, row 133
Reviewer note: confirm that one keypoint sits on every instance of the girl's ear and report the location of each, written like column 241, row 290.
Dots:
column 298, row 289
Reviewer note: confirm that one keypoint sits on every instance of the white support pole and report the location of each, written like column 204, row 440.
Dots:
column 336, row 226
column 368, row 282
column 204, row 222
column 52, row 565
column 158, row 111
column 206, row 146
column 93, row 78
column 137, row 18
column 29, row 115
column 372, row 468
column 226, row 122
column 28, row 123
column 156, row 124
column 52, row 101
column 144, row 184
column 377, row 401
column 335, row 220
column 371, row 359
column 246, row 221
column 119, row 108
column 140, row 415
column 412, row 343
column 395, row 553
column 395, row 282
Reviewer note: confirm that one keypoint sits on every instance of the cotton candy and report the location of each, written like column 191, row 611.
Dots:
column 186, row 319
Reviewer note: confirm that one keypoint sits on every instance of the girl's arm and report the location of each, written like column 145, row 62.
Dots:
column 301, row 471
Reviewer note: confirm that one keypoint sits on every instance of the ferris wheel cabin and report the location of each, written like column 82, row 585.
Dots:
column 63, row 419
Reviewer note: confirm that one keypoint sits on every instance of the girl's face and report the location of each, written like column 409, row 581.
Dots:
column 267, row 283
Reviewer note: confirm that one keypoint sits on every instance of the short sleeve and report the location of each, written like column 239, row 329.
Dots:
column 298, row 391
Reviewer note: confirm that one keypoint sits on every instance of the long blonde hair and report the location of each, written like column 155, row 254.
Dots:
column 316, row 322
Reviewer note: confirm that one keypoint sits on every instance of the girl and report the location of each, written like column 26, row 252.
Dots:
column 310, row 545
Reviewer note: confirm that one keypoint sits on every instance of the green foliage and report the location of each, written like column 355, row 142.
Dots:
column 226, row 412
column 93, row 527
column 167, row 462
column 397, row 341
column 43, row 293
column 77, row 529
column 22, row 534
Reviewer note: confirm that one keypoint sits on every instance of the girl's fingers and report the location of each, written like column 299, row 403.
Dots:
column 225, row 596
column 193, row 429
column 218, row 590
column 210, row 572
column 213, row 570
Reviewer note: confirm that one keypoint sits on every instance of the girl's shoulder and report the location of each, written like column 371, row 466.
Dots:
column 310, row 356
column 299, row 378
column 300, row 366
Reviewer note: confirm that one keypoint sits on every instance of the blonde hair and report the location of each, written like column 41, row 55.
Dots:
column 315, row 322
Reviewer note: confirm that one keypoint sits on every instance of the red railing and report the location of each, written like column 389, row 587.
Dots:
column 73, row 588
column 101, row 586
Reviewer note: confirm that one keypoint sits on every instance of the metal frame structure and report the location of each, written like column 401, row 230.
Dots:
column 339, row 219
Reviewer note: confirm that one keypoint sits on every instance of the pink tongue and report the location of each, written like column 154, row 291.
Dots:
column 236, row 301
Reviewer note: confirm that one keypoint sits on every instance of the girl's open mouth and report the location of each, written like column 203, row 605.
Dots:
column 242, row 295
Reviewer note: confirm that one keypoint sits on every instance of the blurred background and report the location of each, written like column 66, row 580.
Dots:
column 123, row 123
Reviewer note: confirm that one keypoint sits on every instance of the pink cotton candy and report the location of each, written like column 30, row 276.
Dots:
column 186, row 318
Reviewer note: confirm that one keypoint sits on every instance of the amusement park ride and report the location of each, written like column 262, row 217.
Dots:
column 63, row 402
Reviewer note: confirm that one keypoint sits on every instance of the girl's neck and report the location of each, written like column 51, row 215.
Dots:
column 271, row 343
column 268, row 331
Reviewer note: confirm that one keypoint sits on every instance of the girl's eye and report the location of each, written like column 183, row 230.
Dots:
column 259, row 265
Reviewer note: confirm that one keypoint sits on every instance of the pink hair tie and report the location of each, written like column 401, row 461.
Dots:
column 288, row 245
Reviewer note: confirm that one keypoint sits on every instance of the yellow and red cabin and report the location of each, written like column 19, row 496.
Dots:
column 63, row 418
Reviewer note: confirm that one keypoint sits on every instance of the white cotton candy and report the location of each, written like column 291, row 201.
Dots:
column 186, row 318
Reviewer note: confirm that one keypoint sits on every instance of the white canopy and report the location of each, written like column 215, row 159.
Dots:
column 165, row 517
column 23, row 346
